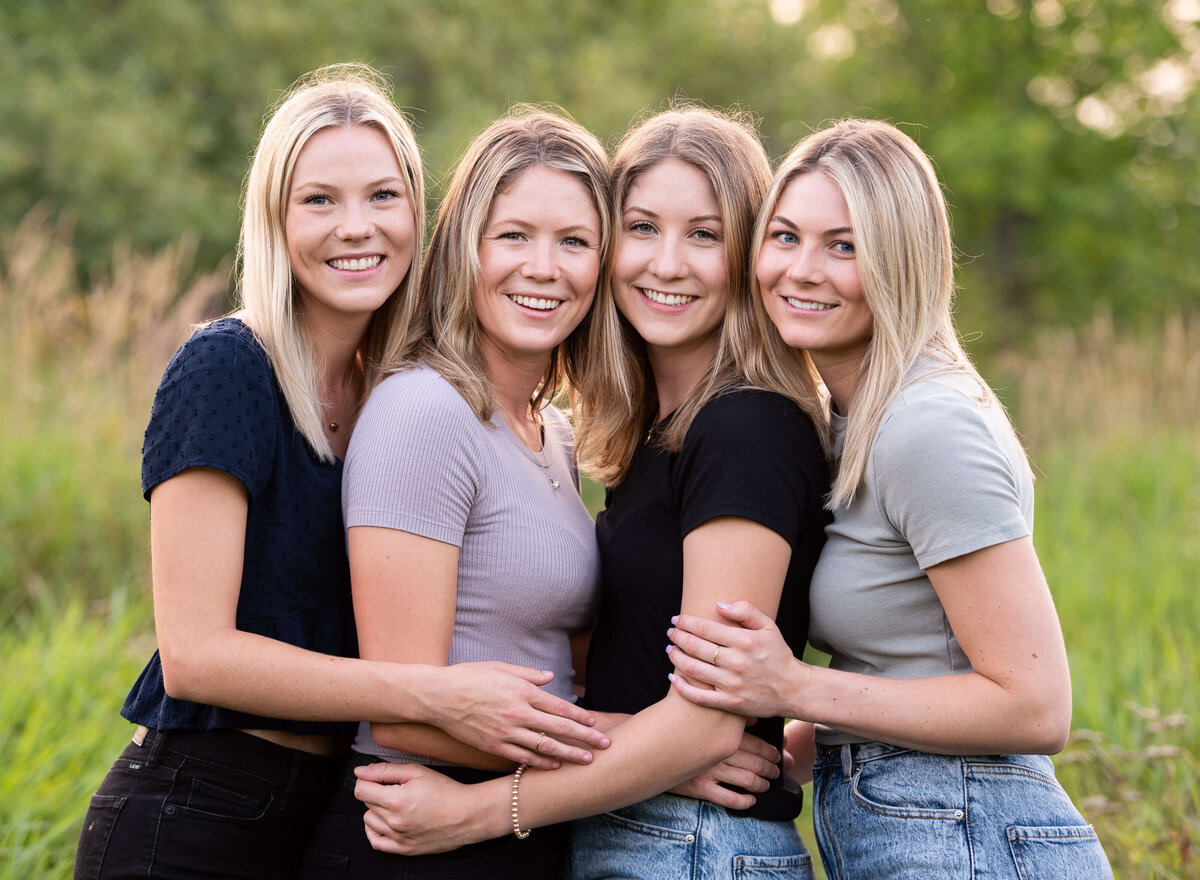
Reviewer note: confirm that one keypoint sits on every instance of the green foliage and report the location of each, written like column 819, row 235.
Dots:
column 1066, row 133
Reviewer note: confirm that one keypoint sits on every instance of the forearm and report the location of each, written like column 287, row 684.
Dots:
column 251, row 673
column 653, row 751
column 959, row 714
column 422, row 739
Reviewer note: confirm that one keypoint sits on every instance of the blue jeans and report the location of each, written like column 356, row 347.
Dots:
column 217, row 803
column 887, row 813
column 677, row 838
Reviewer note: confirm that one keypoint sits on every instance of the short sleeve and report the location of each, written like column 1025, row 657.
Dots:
column 216, row 407
column 411, row 464
column 944, row 481
column 755, row 455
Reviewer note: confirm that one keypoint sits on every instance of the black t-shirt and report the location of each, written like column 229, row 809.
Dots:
column 750, row 454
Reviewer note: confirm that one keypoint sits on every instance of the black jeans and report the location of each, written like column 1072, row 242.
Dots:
column 191, row 804
column 340, row 849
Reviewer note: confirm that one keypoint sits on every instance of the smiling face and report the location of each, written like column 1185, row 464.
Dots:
column 539, row 260
column 670, row 273
column 808, row 277
column 349, row 224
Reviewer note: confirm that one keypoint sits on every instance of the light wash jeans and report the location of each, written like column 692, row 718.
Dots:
column 886, row 813
column 669, row 837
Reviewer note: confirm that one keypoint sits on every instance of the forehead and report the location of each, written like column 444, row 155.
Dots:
column 541, row 190
column 814, row 198
column 347, row 148
column 672, row 183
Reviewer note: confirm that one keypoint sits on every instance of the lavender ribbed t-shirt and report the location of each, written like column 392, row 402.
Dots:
column 528, row 573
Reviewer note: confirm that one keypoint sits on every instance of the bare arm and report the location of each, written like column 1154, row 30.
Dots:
column 1016, row 699
column 197, row 536
column 654, row 750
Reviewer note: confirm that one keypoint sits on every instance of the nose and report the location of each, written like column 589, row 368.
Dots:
column 805, row 267
column 355, row 223
column 540, row 263
column 668, row 260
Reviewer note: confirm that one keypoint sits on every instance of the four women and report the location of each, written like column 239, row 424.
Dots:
column 468, row 542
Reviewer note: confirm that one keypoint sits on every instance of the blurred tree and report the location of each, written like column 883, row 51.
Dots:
column 1065, row 130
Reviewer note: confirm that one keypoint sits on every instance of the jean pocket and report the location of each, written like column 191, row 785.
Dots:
column 1070, row 852
column 795, row 867
column 97, row 830
column 213, row 792
column 911, row 785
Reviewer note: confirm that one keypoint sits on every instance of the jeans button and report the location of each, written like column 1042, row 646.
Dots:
column 691, row 838
column 958, row 814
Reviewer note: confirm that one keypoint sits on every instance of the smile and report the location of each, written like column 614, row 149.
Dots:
column 808, row 305
column 666, row 299
column 357, row 265
column 533, row 302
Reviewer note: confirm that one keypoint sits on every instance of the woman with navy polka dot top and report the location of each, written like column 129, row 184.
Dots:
column 245, row 709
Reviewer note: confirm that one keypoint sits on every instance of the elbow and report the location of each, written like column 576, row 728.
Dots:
column 1047, row 724
column 182, row 677
column 390, row 736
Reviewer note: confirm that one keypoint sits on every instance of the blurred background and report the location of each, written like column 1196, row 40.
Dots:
column 1067, row 135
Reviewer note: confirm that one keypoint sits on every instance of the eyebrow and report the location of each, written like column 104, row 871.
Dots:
column 390, row 180
column 840, row 230
column 635, row 209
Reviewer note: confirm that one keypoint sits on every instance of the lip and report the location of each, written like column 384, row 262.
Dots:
column 669, row 308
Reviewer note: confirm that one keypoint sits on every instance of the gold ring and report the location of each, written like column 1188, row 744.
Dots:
column 715, row 653
column 538, row 747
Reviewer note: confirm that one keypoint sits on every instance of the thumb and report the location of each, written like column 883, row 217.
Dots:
column 744, row 613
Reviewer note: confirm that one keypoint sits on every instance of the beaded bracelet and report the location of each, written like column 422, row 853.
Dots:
column 520, row 835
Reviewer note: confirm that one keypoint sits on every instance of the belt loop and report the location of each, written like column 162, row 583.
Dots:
column 158, row 740
column 847, row 759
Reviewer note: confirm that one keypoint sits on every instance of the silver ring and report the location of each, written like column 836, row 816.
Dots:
column 537, row 749
column 715, row 653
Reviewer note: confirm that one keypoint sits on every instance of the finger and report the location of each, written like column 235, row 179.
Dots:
column 701, row 696
column 701, row 650
column 747, row 779
column 744, row 613
column 750, row 763
column 562, row 727
column 390, row 774
column 569, row 713
column 539, row 677
column 724, row 797
column 724, row 634
column 552, row 748
column 760, row 747
column 519, row 755
column 693, row 669
column 379, row 841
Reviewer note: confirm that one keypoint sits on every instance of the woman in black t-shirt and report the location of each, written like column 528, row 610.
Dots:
column 716, row 477
column 234, row 755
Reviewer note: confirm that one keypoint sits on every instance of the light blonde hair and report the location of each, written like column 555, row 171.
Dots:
column 617, row 401
column 905, row 262
column 446, row 334
column 331, row 97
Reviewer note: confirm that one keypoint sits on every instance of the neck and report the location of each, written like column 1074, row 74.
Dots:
column 514, row 380
column 838, row 374
column 677, row 372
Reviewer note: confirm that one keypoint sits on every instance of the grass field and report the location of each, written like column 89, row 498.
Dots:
column 1112, row 421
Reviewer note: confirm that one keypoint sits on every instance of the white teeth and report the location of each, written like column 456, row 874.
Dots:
column 808, row 305
column 532, row 302
column 666, row 299
column 357, row 265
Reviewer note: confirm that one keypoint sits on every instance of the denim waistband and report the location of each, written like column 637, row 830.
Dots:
column 239, row 751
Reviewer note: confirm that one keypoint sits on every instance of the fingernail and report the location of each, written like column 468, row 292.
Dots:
column 675, row 619
column 670, row 632
column 669, row 647
column 724, row 605
column 671, row 676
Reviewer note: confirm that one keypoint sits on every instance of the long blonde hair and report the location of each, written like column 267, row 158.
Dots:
column 617, row 401
column 446, row 333
column 333, row 96
column 905, row 262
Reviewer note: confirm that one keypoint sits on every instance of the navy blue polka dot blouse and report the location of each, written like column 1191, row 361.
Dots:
column 219, row 406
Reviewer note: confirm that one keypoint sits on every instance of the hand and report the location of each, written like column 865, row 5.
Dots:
column 755, row 674
column 751, row 767
column 501, row 709
column 799, row 750
column 413, row 810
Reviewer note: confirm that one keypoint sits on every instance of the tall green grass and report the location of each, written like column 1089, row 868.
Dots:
column 1111, row 421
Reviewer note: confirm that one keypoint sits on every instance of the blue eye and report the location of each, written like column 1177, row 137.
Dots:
column 384, row 195
column 844, row 248
column 318, row 199
column 785, row 237
column 641, row 226
column 706, row 235
column 575, row 241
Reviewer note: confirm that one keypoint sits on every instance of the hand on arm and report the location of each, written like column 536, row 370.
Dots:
column 659, row 747
column 1016, row 699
